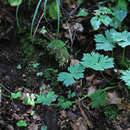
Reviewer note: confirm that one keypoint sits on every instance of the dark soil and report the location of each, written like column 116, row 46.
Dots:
column 12, row 80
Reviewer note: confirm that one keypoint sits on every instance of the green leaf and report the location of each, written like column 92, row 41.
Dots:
column 75, row 72
column 97, row 61
column 66, row 104
column 43, row 30
column 104, row 43
column 53, row 10
column 66, row 77
column 103, row 11
column 22, row 123
column 101, row 17
column 95, row 22
column 29, row 99
column 80, row 1
column 16, row 95
column 39, row 74
column 46, row 99
column 126, row 77
column 58, row 48
column 56, row 44
column 35, row 65
column 15, row 2
column 98, row 98
column 121, row 38
column 71, row 94
column 43, row 127
column 120, row 11
column 120, row 14
column 106, row 20
column 63, row 103
column 82, row 13
column 19, row 67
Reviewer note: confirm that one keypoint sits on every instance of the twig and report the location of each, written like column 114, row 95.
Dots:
column 1, row 85
column 6, row 32
column 85, row 116
column 38, row 24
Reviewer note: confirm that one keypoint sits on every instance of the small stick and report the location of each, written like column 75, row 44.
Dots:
column 85, row 116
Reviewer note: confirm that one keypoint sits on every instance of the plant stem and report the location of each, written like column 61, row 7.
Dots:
column 123, row 56
column 107, row 79
column 6, row 95
column 84, row 97
column 1, row 85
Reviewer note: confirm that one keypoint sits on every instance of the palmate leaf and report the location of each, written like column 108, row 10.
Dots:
column 15, row 2
column 98, row 98
column 121, row 38
column 97, row 61
column 53, row 10
column 103, row 10
column 66, row 77
column 104, row 43
column 16, row 95
column 58, row 48
column 120, row 11
column 66, row 104
column 82, row 13
column 101, row 17
column 106, row 20
column 21, row 123
column 126, row 77
column 95, row 22
column 46, row 99
column 75, row 72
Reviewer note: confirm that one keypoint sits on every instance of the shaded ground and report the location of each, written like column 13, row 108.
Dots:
column 78, row 117
column 13, row 110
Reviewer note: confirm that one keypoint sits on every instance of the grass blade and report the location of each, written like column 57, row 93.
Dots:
column 29, row 3
column 58, row 16
column 45, row 4
column 34, row 17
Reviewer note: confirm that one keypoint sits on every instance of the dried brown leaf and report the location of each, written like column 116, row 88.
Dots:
column 113, row 98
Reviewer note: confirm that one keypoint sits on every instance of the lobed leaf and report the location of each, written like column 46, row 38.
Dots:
column 98, row 98
column 75, row 72
column 126, row 77
column 46, row 99
column 104, row 43
column 121, row 38
column 97, row 61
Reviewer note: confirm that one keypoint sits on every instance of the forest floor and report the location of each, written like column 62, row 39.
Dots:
column 17, row 75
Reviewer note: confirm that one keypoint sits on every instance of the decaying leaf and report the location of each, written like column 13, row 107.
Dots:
column 74, row 61
column 91, row 89
column 113, row 98
column 79, row 124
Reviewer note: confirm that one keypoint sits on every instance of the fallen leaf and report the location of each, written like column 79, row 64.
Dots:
column 33, row 126
column 74, row 61
column 112, row 98
column 79, row 124
column 91, row 89
column 90, row 78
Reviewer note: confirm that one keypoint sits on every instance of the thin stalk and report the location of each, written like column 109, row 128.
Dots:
column 6, row 95
column 112, row 53
column 123, row 56
column 1, row 85
column 34, row 16
column 84, row 97
column 58, row 17
column 17, row 19
column 106, row 79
